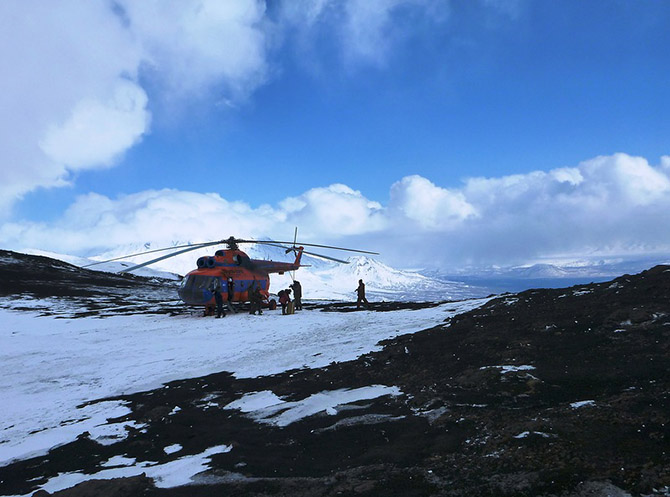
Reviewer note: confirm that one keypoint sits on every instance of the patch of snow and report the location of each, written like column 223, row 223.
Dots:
column 108, row 434
column 583, row 403
column 172, row 474
column 509, row 369
column 266, row 407
column 117, row 461
column 526, row 434
column 54, row 419
column 171, row 449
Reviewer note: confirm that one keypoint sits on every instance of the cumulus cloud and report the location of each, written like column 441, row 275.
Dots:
column 96, row 132
column 610, row 205
column 335, row 209
column 73, row 97
column 432, row 207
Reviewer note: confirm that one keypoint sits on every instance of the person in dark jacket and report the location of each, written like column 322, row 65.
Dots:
column 231, row 294
column 256, row 299
column 216, row 290
column 361, row 295
column 297, row 295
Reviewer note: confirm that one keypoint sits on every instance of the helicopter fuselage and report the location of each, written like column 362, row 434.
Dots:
column 246, row 273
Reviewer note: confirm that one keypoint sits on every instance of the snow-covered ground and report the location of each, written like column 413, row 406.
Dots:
column 50, row 366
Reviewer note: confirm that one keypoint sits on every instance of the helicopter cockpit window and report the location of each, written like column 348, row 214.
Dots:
column 198, row 282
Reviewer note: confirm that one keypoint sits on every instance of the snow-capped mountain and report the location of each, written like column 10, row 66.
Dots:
column 382, row 282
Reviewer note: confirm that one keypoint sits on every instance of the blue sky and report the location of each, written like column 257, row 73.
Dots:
column 269, row 104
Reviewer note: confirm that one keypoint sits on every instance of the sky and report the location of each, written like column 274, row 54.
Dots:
column 439, row 133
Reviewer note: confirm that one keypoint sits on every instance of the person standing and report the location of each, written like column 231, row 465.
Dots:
column 256, row 298
column 231, row 294
column 297, row 295
column 216, row 291
column 361, row 295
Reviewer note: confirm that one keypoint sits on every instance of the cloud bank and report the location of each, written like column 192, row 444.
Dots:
column 80, row 77
column 609, row 205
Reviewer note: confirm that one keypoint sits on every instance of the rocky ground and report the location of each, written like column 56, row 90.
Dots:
column 547, row 392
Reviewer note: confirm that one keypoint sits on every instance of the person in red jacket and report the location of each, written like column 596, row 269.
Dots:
column 284, row 299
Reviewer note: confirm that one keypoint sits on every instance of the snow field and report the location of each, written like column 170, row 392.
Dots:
column 49, row 367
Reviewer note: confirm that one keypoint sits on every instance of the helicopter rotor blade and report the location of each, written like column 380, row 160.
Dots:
column 267, row 242
column 142, row 253
column 313, row 254
column 194, row 247
column 287, row 246
column 325, row 257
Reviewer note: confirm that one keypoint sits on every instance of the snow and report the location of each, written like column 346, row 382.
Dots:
column 171, row 474
column 509, row 369
column 266, row 407
column 583, row 403
column 171, row 449
column 117, row 461
column 50, row 367
column 526, row 434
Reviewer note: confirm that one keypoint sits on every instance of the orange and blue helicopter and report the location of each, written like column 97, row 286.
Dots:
column 233, row 264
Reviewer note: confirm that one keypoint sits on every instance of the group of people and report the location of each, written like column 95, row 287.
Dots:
column 215, row 288
column 288, row 306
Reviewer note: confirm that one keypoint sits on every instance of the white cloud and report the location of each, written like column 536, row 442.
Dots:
column 608, row 205
column 432, row 207
column 335, row 209
column 198, row 44
column 56, row 58
column 97, row 132
column 629, row 179
column 72, row 98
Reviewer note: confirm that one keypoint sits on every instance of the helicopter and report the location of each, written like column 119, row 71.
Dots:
column 246, row 273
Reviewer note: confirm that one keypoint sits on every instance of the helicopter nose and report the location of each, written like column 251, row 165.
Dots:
column 194, row 296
